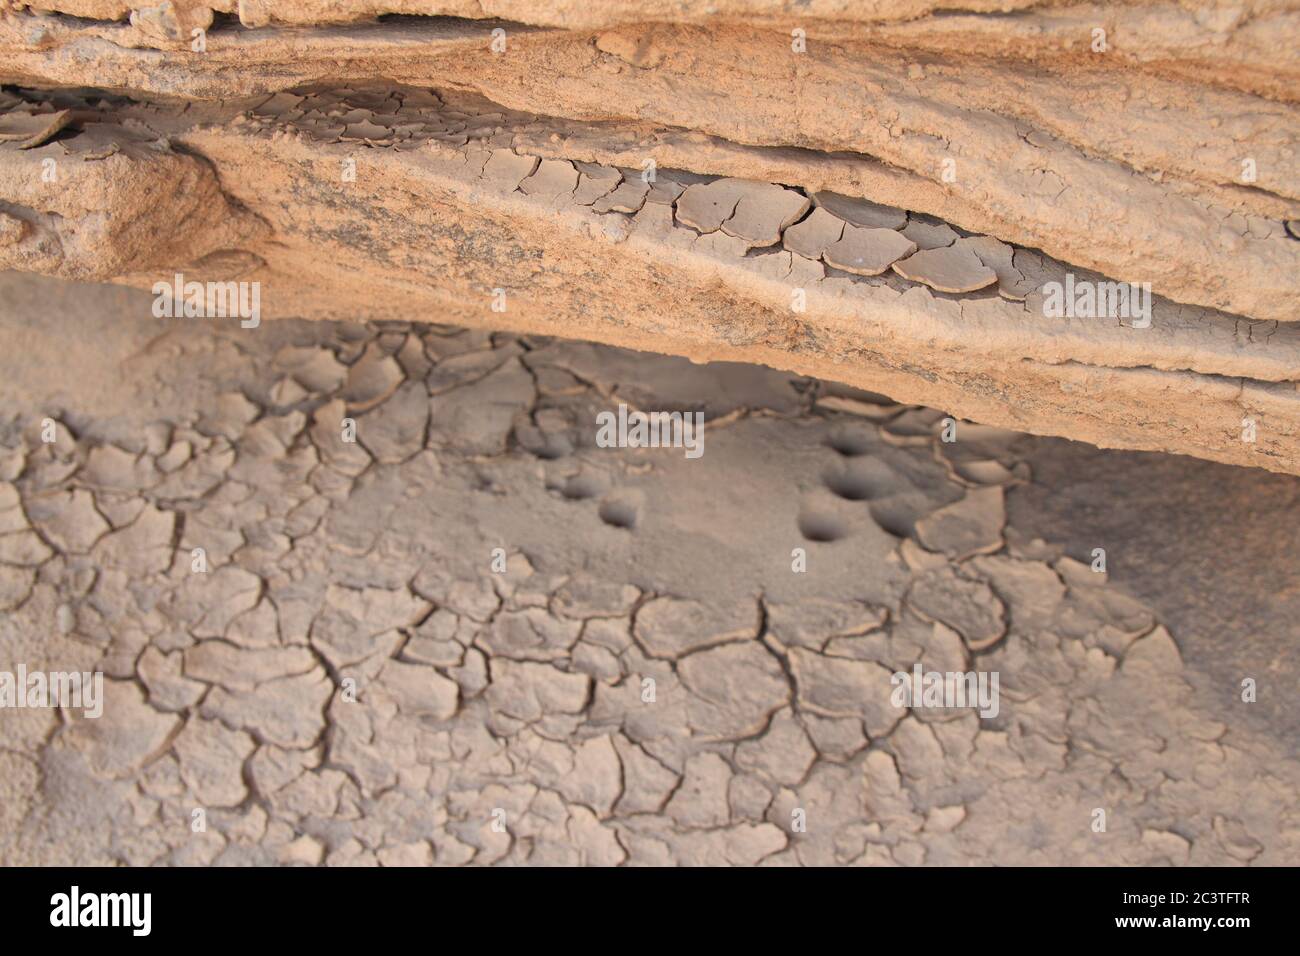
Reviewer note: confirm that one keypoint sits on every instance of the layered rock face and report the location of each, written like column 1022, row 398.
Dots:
column 1062, row 218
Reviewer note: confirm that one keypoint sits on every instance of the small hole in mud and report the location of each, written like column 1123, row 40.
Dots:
column 552, row 451
column 581, row 487
column 894, row 519
column 820, row 526
column 619, row 513
column 849, row 486
column 851, row 442
column 548, row 446
column 862, row 479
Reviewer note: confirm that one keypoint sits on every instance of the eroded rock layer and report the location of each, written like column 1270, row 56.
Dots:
column 896, row 201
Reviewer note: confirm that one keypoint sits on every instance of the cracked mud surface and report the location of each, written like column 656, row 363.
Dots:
column 519, row 695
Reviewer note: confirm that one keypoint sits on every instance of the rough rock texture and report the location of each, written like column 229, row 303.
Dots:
column 883, row 200
column 474, row 637
column 711, row 180
column 366, row 590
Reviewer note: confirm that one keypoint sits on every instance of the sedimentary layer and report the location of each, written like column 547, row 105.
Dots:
column 888, row 198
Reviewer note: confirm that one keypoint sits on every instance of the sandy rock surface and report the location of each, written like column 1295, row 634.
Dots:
column 883, row 196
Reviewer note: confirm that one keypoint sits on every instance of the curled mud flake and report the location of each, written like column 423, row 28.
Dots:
column 114, row 469
column 419, row 691
column 420, row 100
column 286, row 712
column 812, row 624
column 379, row 101
column 314, row 368
column 328, row 133
column 367, row 132
column 985, row 472
column 861, row 212
column 553, row 178
column 929, row 233
column 242, row 669
column 762, row 213
column 228, row 416
column 433, row 124
column 278, row 104
column 393, row 121
column 395, row 430
column 629, row 197
column 69, row 520
column 968, row 607
column 529, row 691
column 811, row 237
column 595, row 181
column 449, row 137
column 733, row 690
column 665, row 191
column 1293, row 227
column 834, row 687
column 706, row 206
column 669, row 628
column 953, row 269
column 506, row 169
column 853, row 406
column 997, row 255
column 373, row 378
column 867, row 252
column 212, row 759
column 27, row 129
column 967, row 527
